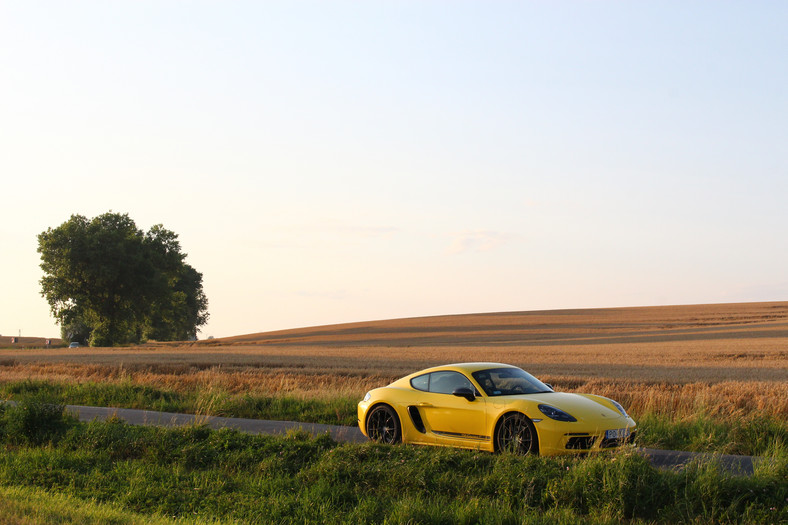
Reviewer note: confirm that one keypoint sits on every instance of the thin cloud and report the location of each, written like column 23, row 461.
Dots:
column 304, row 235
column 366, row 231
column 478, row 241
column 333, row 227
column 333, row 295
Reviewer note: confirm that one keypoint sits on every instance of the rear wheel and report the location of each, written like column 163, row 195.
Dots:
column 383, row 425
column 516, row 434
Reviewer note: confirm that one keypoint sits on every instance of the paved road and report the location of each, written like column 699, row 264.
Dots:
column 668, row 459
column 252, row 426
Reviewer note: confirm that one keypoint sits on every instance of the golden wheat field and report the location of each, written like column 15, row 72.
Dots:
column 723, row 359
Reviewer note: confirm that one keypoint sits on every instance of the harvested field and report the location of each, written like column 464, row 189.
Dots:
column 28, row 342
column 727, row 359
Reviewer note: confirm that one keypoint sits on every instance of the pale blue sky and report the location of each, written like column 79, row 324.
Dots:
column 327, row 162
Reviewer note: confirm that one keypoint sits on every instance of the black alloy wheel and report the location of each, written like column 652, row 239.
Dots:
column 383, row 425
column 516, row 434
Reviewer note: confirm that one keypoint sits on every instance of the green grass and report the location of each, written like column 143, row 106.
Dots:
column 752, row 435
column 34, row 506
column 339, row 411
column 755, row 434
column 196, row 473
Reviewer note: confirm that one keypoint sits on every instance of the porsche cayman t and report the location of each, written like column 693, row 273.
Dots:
column 494, row 407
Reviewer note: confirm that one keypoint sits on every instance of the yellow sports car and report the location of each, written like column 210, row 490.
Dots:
column 494, row 407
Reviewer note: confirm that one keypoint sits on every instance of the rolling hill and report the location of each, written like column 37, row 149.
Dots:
column 710, row 322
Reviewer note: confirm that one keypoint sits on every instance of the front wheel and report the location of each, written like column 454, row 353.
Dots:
column 383, row 425
column 516, row 434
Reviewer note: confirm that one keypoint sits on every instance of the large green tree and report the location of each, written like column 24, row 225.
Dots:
column 109, row 283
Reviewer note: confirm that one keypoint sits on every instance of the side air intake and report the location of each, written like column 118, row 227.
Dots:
column 415, row 417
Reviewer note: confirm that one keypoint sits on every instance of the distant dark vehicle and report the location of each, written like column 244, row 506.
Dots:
column 74, row 345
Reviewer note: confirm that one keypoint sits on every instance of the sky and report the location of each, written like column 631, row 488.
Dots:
column 332, row 161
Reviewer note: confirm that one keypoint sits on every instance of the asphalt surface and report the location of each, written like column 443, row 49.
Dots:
column 666, row 459
column 251, row 426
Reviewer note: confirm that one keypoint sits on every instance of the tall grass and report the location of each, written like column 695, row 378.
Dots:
column 313, row 378
column 753, row 435
column 737, row 432
column 212, row 401
column 198, row 473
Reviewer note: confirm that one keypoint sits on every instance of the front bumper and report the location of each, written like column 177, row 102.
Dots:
column 578, row 437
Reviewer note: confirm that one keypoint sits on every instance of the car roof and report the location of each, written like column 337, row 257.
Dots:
column 464, row 367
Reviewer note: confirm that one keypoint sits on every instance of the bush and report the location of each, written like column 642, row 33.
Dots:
column 34, row 420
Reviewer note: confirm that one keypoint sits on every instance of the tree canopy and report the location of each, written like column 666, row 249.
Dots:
column 109, row 283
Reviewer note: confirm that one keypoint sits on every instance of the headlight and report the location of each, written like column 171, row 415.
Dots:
column 556, row 413
column 619, row 408
column 367, row 397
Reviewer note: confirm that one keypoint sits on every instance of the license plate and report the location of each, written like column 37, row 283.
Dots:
column 617, row 433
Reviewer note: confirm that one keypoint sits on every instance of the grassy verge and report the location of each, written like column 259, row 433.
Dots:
column 214, row 402
column 34, row 506
column 197, row 474
column 753, row 434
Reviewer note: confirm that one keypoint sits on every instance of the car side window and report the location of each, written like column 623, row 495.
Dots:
column 447, row 382
column 421, row 383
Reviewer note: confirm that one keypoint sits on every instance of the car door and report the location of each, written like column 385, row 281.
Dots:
column 451, row 417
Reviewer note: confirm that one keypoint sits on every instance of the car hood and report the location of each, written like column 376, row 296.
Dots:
column 578, row 405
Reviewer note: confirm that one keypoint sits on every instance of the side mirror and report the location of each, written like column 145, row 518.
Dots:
column 465, row 392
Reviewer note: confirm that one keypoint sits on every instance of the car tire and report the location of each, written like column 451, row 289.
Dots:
column 516, row 434
column 383, row 425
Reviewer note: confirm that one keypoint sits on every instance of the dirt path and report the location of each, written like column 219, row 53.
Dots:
column 668, row 459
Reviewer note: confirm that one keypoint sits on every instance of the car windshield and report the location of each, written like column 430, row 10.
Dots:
column 509, row 382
